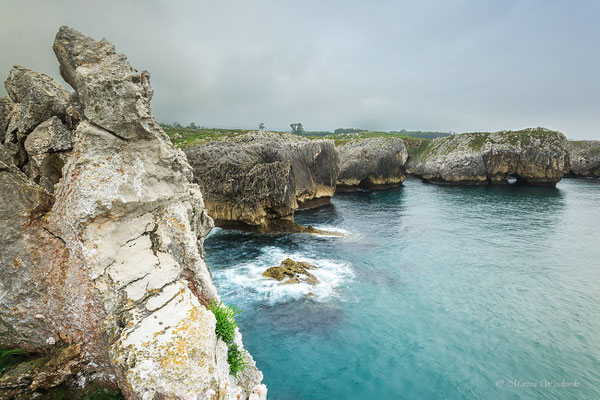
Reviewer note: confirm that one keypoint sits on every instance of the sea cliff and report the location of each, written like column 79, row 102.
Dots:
column 102, row 275
column 585, row 158
column 536, row 156
column 372, row 163
column 258, row 180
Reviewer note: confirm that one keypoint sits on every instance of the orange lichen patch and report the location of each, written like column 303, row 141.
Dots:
column 17, row 263
column 187, row 340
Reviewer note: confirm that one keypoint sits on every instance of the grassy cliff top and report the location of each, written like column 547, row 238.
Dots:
column 475, row 140
column 187, row 137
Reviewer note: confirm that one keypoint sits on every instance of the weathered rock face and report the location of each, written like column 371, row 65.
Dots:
column 585, row 158
column 110, row 265
column 373, row 163
column 290, row 272
column 6, row 106
column 38, row 98
column 261, row 178
column 534, row 156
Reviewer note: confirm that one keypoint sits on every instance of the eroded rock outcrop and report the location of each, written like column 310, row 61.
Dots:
column 534, row 156
column 373, row 163
column 291, row 272
column 106, row 260
column 585, row 158
column 259, row 179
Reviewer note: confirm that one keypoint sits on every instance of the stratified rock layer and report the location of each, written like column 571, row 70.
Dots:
column 373, row 163
column 533, row 156
column 585, row 158
column 105, row 260
column 261, row 178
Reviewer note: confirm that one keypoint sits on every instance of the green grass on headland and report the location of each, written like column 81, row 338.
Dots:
column 188, row 137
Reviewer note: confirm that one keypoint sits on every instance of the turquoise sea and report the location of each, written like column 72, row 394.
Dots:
column 436, row 292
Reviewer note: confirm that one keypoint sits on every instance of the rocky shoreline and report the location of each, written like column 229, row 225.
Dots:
column 534, row 156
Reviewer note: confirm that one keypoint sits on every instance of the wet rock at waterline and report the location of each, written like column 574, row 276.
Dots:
column 535, row 156
column 291, row 272
column 102, row 263
column 372, row 163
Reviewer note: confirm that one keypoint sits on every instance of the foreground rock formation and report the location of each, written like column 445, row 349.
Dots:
column 373, row 163
column 533, row 156
column 290, row 272
column 585, row 158
column 102, row 265
column 258, row 180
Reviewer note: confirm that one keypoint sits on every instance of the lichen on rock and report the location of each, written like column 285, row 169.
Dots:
column 107, row 257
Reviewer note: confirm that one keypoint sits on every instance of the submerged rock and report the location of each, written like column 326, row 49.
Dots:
column 373, row 163
column 110, row 265
column 585, row 158
column 290, row 272
column 534, row 156
column 258, row 180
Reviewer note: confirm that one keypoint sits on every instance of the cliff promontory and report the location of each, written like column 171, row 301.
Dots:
column 535, row 156
column 258, row 180
column 585, row 158
column 102, row 276
column 372, row 163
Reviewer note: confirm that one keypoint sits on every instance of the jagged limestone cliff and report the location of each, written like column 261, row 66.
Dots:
column 258, row 180
column 535, row 156
column 102, row 265
column 585, row 158
column 372, row 163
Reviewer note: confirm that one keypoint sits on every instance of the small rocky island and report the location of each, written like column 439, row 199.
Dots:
column 257, row 181
column 371, row 163
column 536, row 156
column 290, row 272
column 585, row 158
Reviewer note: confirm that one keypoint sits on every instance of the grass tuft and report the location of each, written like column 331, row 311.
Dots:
column 226, row 324
column 236, row 360
column 11, row 357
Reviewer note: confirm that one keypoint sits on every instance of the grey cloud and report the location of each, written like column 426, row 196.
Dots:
column 433, row 65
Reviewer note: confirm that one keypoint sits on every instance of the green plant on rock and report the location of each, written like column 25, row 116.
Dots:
column 225, row 330
column 10, row 357
column 236, row 360
column 226, row 324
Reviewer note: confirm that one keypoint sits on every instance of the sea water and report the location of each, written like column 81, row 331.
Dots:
column 435, row 292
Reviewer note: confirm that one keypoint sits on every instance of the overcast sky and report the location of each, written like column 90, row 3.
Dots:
column 447, row 65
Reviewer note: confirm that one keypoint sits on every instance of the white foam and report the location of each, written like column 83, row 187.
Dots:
column 245, row 280
column 331, row 228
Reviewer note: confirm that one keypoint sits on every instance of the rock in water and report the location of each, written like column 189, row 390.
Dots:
column 585, row 158
column 259, row 179
column 373, row 163
column 290, row 272
column 111, row 266
column 534, row 156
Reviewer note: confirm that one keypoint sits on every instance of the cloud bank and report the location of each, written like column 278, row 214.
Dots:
column 461, row 66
